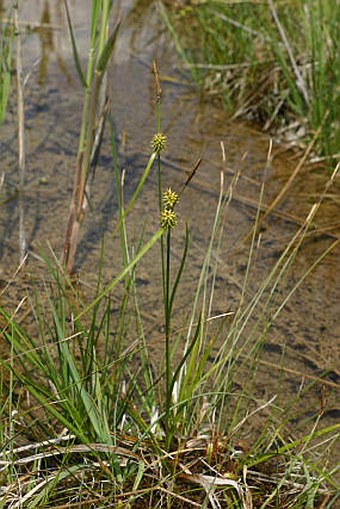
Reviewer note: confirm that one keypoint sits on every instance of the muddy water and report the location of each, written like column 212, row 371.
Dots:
column 308, row 329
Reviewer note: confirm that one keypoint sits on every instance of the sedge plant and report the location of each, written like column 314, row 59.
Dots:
column 93, row 413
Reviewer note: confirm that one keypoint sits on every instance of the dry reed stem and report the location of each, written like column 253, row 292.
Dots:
column 85, row 163
column 69, row 249
column 12, row 278
column 299, row 79
column 21, row 133
column 98, row 136
column 72, row 449
column 296, row 372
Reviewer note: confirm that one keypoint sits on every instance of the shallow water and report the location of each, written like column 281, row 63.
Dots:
column 307, row 329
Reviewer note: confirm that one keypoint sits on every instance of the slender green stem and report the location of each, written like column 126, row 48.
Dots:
column 166, row 261
column 162, row 238
column 167, row 313
column 103, row 26
column 159, row 116
column 91, row 60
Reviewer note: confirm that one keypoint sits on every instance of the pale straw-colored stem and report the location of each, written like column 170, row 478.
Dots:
column 21, row 133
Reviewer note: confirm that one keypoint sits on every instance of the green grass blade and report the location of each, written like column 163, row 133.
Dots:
column 123, row 273
column 180, row 270
column 74, row 48
column 108, row 48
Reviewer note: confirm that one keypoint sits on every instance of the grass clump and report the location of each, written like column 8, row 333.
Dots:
column 86, row 419
column 273, row 62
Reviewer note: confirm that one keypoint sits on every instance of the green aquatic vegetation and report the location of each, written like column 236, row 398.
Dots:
column 273, row 62
column 98, row 410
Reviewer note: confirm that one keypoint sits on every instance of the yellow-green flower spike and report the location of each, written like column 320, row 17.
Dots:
column 170, row 198
column 158, row 142
column 168, row 219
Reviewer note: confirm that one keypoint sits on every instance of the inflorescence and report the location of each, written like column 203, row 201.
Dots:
column 168, row 215
column 158, row 142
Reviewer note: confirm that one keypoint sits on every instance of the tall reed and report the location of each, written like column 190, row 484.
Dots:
column 94, row 112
